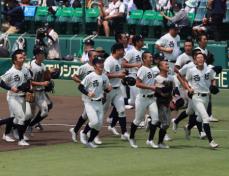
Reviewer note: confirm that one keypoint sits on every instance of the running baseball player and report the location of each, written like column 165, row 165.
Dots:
column 199, row 80
column 14, row 78
column 145, row 100
column 113, row 70
column 165, row 85
column 92, row 87
column 82, row 72
column 132, row 61
column 42, row 101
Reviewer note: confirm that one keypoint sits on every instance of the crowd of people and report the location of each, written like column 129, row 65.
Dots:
column 127, row 78
column 115, row 13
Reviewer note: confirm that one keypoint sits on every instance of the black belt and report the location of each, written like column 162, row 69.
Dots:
column 42, row 90
column 173, row 61
column 115, row 87
column 148, row 96
column 202, row 94
column 97, row 100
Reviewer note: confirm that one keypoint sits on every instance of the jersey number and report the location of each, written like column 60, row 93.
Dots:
column 95, row 83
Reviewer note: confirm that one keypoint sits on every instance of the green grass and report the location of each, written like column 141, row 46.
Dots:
column 116, row 158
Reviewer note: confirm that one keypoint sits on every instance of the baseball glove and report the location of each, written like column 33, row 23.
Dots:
column 50, row 87
column 130, row 81
column 25, row 87
column 47, row 75
column 214, row 89
column 217, row 69
column 29, row 97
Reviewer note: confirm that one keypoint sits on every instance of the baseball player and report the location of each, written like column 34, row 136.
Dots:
column 14, row 78
column 92, row 87
column 145, row 100
column 42, row 101
column 113, row 70
column 202, row 42
column 199, row 79
column 165, row 84
column 169, row 44
column 82, row 72
column 192, row 118
column 132, row 61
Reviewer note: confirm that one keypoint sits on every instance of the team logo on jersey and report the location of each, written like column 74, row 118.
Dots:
column 149, row 75
column 117, row 68
column 196, row 78
column 138, row 58
column 16, row 78
column 95, row 83
column 206, row 76
column 171, row 44
column 89, row 72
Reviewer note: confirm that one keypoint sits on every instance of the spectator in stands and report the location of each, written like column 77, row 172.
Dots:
column 202, row 28
column 75, row 3
column 113, row 16
column 180, row 18
column 162, row 5
column 48, row 3
column 218, row 10
column 53, row 43
column 88, row 45
column 15, row 17
column 191, row 5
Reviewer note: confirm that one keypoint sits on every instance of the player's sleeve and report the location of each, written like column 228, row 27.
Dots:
column 128, row 56
column 188, row 75
column 79, row 71
column 183, row 70
column 107, row 82
column 178, row 62
column 7, row 77
column 85, row 81
column 161, row 42
column 107, row 66
column 140, row 74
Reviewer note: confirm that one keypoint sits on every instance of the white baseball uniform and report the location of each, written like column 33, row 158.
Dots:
column 82, row 72
column 145, row 99
column 183, row 59
column 93, row 106
column 112, row 65
column 19, row 109
column 200, row 81
column 41, row 98
column 133, row 56
column 169, row 41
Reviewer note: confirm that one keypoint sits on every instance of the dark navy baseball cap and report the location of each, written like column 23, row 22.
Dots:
column 89, row 42
column 98, row 60
column 159, row 56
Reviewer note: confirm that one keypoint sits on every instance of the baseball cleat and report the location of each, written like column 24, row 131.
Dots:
column 202, row 135
column 113, row 130
column 151, row 144
column 91, row 145
column 213, row 144
column 142, row 124
column 133, row 143
column 97, row 140
column 187, row 133
column 7, row 138
column 167, row 138
column 71, row 130
column 83, row 138
column 15, row 134
column 212, row 119
column 125, row 136
column 23, row 143
column 174, row 125
column 163, row 146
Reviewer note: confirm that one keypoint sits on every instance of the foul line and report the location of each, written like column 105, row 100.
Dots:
column 104, row 126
